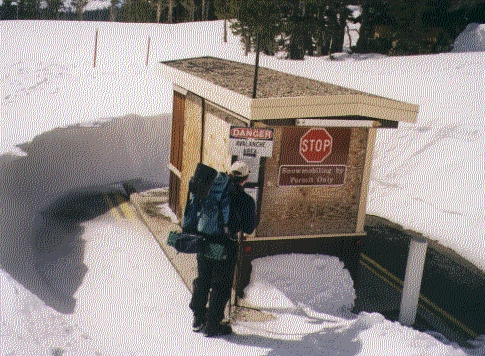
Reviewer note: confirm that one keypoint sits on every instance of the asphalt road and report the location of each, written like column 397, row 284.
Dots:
column 452, row 298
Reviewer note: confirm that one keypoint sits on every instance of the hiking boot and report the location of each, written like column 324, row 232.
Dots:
column 218, row 330
column 198, row 324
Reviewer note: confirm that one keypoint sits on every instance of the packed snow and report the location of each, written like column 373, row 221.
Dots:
column 58, row 110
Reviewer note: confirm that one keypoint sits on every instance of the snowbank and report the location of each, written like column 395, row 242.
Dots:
column 472, row 39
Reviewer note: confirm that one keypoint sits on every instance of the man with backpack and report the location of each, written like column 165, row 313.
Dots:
column 235, row 211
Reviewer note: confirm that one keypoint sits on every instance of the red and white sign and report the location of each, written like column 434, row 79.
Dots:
column 251, row 132
column 247, row 142
column 315, row 145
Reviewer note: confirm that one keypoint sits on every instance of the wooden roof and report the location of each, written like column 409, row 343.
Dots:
column 279, row 95
column 238, row 77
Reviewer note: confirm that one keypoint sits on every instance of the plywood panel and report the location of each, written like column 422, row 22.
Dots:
column 216, row 142
column 192, row 139
column 176, row 154
column 177, row 130
column 312, row 210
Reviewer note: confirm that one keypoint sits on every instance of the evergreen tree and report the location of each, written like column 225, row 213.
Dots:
column 28, row 9
column 53, row 7
column 258, row 23
column 298, row 27
column 79, row 6
column 137, row 11
column 223, row 10
column 8, row 10
column 113, row 9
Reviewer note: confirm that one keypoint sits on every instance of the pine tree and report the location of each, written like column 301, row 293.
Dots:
column 137, row 11
column 258, row 23
column 8, row 10
column 28, row 9
column 223, row 10
column 79, row 6
column 53, row 7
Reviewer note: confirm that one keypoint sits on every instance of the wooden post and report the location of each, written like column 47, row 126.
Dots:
column 148, row 51
column 95, row 48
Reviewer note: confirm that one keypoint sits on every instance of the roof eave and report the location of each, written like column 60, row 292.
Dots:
column 333, row 106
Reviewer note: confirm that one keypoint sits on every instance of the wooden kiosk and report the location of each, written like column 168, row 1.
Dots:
column 309, row 145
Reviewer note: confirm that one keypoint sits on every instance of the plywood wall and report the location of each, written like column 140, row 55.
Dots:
column 312, row 210
column 192, row 140
column 217, row 125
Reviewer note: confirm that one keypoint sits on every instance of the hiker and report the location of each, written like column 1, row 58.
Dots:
column 215, row 274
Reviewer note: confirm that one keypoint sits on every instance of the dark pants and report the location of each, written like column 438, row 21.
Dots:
column 216, row 277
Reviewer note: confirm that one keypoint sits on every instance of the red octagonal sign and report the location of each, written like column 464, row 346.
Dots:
column 315, row 145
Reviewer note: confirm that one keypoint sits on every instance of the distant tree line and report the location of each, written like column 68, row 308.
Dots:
column 159, row 11
column 319, row 27
column 295, row 27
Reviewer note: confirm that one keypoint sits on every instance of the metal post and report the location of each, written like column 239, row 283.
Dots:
column 256, row 67
column 412, row 281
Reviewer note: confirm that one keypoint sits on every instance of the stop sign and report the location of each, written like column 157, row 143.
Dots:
column 315, row 145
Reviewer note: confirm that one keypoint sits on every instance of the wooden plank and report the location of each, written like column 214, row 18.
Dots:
column 192, row 139
column 174, row 170
column 215, row 151
column 255, row 239
column 176, row 151
column 364, row 190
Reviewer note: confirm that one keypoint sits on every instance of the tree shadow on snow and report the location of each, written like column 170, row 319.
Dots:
column 48, row 193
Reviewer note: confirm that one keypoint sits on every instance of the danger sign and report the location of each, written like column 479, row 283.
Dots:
column 315, row 145
column 251, row 132
column 251, row 142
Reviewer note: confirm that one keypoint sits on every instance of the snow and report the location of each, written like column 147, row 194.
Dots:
column 60, row 111
column 472, row 39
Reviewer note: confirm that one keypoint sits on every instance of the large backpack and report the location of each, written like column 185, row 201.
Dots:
column 201, row 181
column 214, row 210
column 208, row 202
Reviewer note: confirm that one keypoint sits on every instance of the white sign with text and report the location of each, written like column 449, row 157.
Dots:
column 251, row 142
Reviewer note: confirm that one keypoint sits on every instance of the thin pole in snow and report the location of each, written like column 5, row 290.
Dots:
column 256, row 67
column 95, row 48
column 148, row 51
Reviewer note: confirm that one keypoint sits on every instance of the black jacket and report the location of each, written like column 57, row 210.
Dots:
column 242, row 213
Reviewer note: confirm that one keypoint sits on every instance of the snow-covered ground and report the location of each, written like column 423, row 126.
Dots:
column 67, row 126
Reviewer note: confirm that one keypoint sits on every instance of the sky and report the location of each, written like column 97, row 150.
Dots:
column 59, row 110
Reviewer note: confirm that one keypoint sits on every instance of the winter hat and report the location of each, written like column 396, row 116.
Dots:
column 239, row 169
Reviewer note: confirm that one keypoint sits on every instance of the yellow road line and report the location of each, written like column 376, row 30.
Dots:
column 421, row 297
column 381, row 277
column 449, row 316
column 114, row 211
column 382, row 269
column 124, row 206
